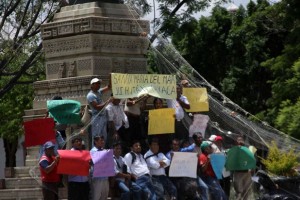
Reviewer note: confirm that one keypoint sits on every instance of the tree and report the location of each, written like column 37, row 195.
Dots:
column 20, row 22
column 21, row 63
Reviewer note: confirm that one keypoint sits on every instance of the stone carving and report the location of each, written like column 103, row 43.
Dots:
column 95, row 24
column 73, row 2
column 91, row 43
column 62, row 71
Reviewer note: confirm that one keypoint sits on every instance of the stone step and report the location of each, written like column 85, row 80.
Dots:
column 25, row 182
column 28, row 194
column 33, row 150
column 28, row 171
column 32, row 162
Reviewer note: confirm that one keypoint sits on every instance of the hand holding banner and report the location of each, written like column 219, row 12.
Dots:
column 74, row 162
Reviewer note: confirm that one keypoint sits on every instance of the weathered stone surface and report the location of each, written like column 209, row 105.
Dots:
column 100, row 25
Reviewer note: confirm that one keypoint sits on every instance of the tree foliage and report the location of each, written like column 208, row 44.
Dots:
column 252, row 55
column 20, row 41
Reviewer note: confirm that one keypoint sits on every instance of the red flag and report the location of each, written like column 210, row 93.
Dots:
column 74, row 162
column 39, row 131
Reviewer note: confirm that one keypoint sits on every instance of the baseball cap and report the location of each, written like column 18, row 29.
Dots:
column 204, row 145
column 95, row 80
column 212, row 138
column 184, row 82
column 218, row 138
column 49, row 145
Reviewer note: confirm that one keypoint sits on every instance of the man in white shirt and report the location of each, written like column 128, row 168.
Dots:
column 180, row 103
column 139, row 171
column 157, row 162
column 117, row 122
column 123, row 178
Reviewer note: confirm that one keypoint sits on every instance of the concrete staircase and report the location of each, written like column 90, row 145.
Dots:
column 24, row 183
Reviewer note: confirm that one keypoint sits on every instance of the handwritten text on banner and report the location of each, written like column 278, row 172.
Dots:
column 136, row 85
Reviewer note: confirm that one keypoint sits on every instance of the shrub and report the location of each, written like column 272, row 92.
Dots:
column 281, row 163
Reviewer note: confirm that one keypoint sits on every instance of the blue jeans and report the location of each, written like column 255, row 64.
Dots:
column 146, row 184
column 167, row 184
column 215, row 188
column 203, row 188
column 134, row 188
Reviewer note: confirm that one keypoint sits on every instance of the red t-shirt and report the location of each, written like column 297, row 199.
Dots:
column 202, row 159
column 51, row 177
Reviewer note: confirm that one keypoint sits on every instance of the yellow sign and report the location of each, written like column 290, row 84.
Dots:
column 197, row 98
column 136, row 85
column 161, row 121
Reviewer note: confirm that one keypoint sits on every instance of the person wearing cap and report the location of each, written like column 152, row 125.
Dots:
column 99, row 185
column 94, row 98
column 179, row 104
column 78, row 186
column 217, row 145
column 123, row 178
column 212, row 140
column 208, row 174
column 48, row 168
column 117, row 122
column 185, row 83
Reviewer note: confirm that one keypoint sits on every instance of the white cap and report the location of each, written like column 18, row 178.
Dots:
column 95, row 80
column 212, row 138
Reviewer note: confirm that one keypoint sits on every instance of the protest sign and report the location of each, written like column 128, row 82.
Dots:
column 198, row 99
column 136, row 85
column 74, row 162
column 184, row 164
column 199, row 124
column 65, row 111
column 217, row 161
column 161, row 121
column 103, row 163
column 39, row 131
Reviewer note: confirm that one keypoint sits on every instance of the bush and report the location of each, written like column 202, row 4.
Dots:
column 281, row 163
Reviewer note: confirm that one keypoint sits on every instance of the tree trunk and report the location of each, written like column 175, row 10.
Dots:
column 10, row 152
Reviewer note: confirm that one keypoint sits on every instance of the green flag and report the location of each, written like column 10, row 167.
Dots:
column 240, row 158
column 64, row 111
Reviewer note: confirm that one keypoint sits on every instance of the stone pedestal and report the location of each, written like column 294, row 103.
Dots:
column 86, row 41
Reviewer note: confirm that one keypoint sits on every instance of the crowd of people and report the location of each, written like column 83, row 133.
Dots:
column 141, row 162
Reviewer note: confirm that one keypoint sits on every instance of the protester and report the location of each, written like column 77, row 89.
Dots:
column 99, row 118
column 185, row 83
column 225, row 182
column 132, row 109
column 117, row 122
column 157, row 162
column 139, row 170
column 123, row 178
column 208, row 174
column 100, row 185
column 78, row 186
column 179, row 104
column 48, row 167
column 242, row 178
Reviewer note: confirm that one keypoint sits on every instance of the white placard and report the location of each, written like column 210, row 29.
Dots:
column 184, row 164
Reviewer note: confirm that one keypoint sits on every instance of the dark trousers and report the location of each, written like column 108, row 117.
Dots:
column 50, row 191
column 78, row 190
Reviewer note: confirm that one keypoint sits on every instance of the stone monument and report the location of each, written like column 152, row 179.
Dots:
column 88, row 40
